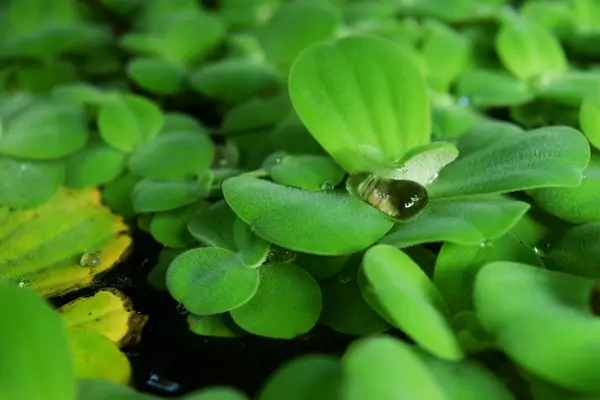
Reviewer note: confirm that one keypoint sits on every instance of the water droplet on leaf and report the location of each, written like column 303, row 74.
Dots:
column 281, row 255
column 464, row 101
column 344, row 277
column 24, row 283
column 181, row 309
column 400, row 199
column 326, row 186
column 89, row 260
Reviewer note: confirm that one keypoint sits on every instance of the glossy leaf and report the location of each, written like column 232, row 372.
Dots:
column 294, row 27
column 287, row 303
column 384, row 368
column 47, row 372
column 325, row 223
column 157, row 278
column 128, row 121
column 509, row 161
column 42, row 247
column 44, row 131
column 312, row 376
column 457, row 266
column 529, row 50
column 464, row 221
column 177, row 155
column 405, row 291
column 26, row 184
column 360, row 96
column 489, row 88
column 257, row 113
column 156, row 75
column 320, row 267
column 535, row 313
column 574, row 204
column 234, row 80
column 577, row 251
column 95, row 164
column 307, row 172
column 569, row 89
column 589, row 118
column 211, row 281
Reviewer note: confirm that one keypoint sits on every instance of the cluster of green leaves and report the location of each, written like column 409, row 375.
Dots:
column 475, row 100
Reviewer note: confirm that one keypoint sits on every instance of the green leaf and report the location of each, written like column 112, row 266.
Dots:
column 506, row 161
column 577, row 251
column 589, row 118
column 294, row 27
column 324, row 223
column 452, row 120
column 117, row 194
column 47, row 371
column 216, row 393
column 313, row 376
column 253, row 250
column 42, row 78
column 81, row 93
column 157, row 278
column 44, row 131
column 529, row 51
column 358, row 94
column 128, row 121
column 287, row 303
column 217, row 325
column 207, row 29
column 465, row 379
column 42, row 248
column 445, row 54
column 384, row 368
column 557, row 17
column 153, row 196
column 170, row 228
column 490, row 88
column 100, row 389
column 291, row 136
column 574, row 204
column 25, row 184
column 321, row 267
column 569, row 89
column 177, row 155
column 465, row 221
column 404, row 291
column 211, row 281
column 457, row 266
column 214, row 226
column 307, row 172
column 533, row 313
column 95, row 164
column 177, row 121
column 254, row 114
column 156, row 75
column 422, row 164
column 234, row 80
column 344, row 308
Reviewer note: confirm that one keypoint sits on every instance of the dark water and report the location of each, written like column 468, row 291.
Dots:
column 171, row 361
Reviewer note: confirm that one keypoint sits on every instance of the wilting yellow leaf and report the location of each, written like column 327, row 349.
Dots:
column 42, row 247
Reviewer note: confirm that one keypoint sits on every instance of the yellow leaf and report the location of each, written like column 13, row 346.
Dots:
column 42, row 248
column 109, row 312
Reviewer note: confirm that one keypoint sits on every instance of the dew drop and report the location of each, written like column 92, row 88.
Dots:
column 404, row 169
column 464, row 101
column 344, row 277
column 539, row 251
column 181, row 310
column 326, row 186
column 485, row 243
column 89, row 260
column 281, row 255
column 24, row 283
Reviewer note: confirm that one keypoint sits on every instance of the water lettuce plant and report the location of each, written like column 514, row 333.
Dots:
column 419, row 178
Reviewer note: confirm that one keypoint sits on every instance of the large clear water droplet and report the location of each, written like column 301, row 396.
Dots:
column 89, row 260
